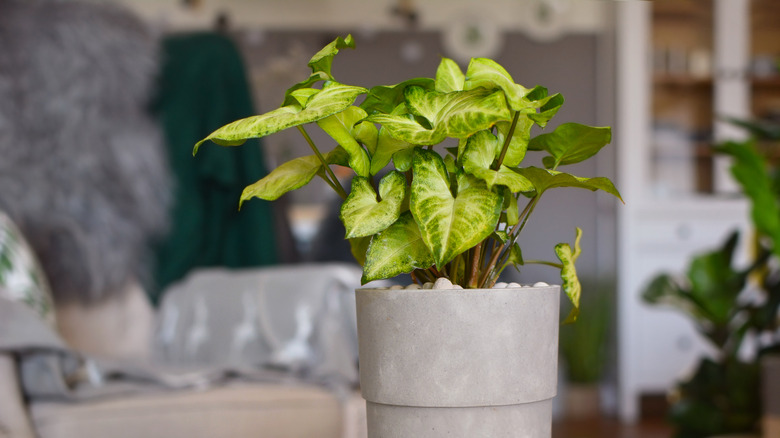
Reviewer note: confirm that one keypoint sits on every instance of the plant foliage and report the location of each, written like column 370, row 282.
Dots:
column 450, row 212
column 723, row 394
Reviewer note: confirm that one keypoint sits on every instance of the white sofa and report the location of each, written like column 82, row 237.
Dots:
column 303, row 386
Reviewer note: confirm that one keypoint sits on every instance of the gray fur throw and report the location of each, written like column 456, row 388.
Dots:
column 82, row 164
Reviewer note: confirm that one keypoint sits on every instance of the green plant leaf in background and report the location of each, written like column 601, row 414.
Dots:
column 386, row 147
column 750, row 170
column 571, row 143
column 481, row 151
column 518, row 144
column 363, row 214
column 323, row 60
column 571, row 284
column 332, row 99
column 450, row 224
column 544, row 179
column 397, row 250
column 341, row 127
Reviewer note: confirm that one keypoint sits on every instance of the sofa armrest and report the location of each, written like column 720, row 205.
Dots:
column 14, row 419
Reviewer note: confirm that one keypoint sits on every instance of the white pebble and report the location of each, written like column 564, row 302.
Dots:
column 457, row 286
column 540, row 284
column 514, row 285
column 413, row 286
column 396, row 287
column 442, row 283
column 500, row 285
column 428, row 285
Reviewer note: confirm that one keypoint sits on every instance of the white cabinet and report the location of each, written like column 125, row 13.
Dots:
column 675, row 78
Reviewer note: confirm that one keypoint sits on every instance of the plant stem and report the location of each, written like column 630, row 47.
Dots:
column 334, row 182
column 473, row 277
column 543, row 262
column 507, row 140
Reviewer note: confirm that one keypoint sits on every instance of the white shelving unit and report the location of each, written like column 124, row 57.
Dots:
column 659, row 231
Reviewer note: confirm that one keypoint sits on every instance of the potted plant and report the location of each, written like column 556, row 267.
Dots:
column 474, row 362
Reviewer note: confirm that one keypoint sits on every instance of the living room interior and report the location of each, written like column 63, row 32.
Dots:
column 137, row 299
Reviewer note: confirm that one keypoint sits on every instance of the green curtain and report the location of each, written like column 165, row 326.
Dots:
column 202, row 87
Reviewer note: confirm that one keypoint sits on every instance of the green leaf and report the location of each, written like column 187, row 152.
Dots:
column 518, row 145
column 403, row 159
column 480, row 152
column 386, row 147
column 323, row 60
column 384, row 99
column 512, row 211
column 449, row 77
column 397, row 250
column 332, row 99
column 289, row 176
column 488, row 74
column 549, row 108
column 293, row 94
column 450, row 224
column 544, row 179
column 750, row 169
column 571, row 284
column 364, row 215
column 341, row 127
column 571, row 143
column 367, row 134
column 358, row 247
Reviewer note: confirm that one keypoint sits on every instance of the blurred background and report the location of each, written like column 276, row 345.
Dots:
column 670, row 77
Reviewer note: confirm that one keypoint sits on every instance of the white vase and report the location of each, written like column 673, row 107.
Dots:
column 458, row 363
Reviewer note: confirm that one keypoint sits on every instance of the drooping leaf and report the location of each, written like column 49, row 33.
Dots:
column 397, row 250
column 544, row 179
column 571, row 143
column 363, row 214
column 571, row 284
column 450, row 224
column 332, row 99
column 449, row 76
column 481, row 150
column 403, row 159
column 289, row 176
column 384, row 99
column 750, row 169
column 367, row 134
column 488, row 74
column 341, row 127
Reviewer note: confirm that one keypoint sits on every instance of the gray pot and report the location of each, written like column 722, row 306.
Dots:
column 458, row 363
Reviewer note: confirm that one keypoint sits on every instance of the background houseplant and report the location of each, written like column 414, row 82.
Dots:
column 730, row 304
column 454, row 212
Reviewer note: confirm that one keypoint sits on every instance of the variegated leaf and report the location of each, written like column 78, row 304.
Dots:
column 397, row 250
column 450, row 224
column 488, row 74
column 518, row 145
column 332, row 99
column 571, row 284
column 386, row 147
column 571, row 143
column 449, row 76
column 363, row 214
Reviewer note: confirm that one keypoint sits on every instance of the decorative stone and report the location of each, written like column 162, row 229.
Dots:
column 500, row 285
column 540, row 284
column 396, row 287
column 428, row 285
column 413, row 286
column 515, row 285
column 457, row 286
column 442, row 283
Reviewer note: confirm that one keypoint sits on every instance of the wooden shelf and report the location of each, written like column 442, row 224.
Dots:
column 682, row 81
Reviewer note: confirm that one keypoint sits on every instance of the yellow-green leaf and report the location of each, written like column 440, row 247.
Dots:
column 363, row 214
column 571, row 284
column 449, row 76
column 397, row 250
column 450, row 224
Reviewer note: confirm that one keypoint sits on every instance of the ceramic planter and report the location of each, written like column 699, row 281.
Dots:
column 458, row 363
